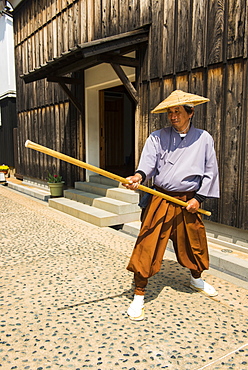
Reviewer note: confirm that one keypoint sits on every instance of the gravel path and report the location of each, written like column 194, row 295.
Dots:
column 65, row 290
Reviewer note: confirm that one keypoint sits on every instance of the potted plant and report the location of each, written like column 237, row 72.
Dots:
column 5, row 169
column 55, row 184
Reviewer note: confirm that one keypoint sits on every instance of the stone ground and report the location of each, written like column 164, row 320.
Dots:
column 65, row 292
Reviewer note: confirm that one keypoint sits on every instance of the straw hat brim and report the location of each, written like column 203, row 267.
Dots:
column 179, row 97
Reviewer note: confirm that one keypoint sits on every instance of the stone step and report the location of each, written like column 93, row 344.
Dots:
column 36, row 183
column 105, row 181
column 132, row 228
column 32, row 191
column 122, row 194
column 105, row 203
column 231, row 261
column 91, row 214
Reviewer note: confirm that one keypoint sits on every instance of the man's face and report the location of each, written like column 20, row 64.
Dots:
column 179, row 118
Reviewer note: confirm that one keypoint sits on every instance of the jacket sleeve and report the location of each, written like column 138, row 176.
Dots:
column 210, row 180
column 148, row 158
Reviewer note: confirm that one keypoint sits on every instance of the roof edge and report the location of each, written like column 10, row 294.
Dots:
column 15, row 3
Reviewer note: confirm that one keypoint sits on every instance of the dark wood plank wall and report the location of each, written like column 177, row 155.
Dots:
column 43, row 30
column 8, row 123
column 195, row 45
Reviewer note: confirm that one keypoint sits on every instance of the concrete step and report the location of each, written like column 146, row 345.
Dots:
column 36, row 192
column 105, row 181
column 105, row 203
column 81, row 196
column 35, row 183
column 227, row 235
column 229, row 258
column 122, row 194
column 91, row 214
column 230, row 261
column 132, row 228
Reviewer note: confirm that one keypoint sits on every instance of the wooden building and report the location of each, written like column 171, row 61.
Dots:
column 90, row 71
column 7, row 88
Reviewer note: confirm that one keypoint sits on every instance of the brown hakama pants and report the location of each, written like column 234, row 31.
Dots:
column 163, row 220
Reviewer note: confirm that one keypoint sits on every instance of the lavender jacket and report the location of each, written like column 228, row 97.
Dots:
column 187, row 164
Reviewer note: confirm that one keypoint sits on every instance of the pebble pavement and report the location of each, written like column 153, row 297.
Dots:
column 64, row 292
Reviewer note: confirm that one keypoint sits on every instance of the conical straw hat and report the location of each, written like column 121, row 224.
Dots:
column 179, row 97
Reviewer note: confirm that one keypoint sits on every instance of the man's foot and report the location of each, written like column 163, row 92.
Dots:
column 201, row 286
column 136, row 308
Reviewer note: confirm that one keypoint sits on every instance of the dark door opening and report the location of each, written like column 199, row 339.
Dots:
column 117, row 118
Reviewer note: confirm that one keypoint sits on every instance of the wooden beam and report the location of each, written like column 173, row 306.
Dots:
column 65, row 80
column 77, row 65
column 73, row 99
column 126, row 82
column 119, row 59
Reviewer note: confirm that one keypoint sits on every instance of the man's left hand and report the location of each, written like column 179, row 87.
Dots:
column 193, row 205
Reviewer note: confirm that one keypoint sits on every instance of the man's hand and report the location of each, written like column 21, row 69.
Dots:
column 134, row 181
column 193, row 205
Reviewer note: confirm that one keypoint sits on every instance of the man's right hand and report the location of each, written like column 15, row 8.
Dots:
column 134, row 181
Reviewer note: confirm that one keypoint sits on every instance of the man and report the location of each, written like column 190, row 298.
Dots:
column 182, row 162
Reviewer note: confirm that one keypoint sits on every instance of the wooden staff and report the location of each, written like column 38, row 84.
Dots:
column 77, row 162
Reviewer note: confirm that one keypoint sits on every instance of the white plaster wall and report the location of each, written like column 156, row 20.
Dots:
column 98, row 78
column 15, row 3
column 7, row 64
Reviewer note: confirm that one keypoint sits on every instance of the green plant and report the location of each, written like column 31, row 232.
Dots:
column 54, row 178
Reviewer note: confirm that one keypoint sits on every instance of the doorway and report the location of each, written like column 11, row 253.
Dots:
column 117, row 123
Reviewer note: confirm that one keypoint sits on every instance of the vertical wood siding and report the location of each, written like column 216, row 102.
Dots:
column 195, row 45
column 8, row 123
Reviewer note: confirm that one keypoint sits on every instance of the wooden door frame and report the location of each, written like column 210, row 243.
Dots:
column 103, row 162
column 102, row 151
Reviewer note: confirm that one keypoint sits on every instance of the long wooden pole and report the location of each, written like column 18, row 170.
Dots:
column 77, row 162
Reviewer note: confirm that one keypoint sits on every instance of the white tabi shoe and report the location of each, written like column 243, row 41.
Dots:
column 201, row 286
column 136, row 308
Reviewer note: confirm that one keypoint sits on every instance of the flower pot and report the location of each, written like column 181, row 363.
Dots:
column 56, row 189
column 2, row 177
